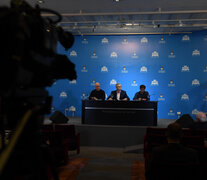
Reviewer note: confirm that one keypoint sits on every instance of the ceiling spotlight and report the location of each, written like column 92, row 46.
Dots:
column 116, row 0
column 154, row 25
column 180, row 23
column 40, row 1
column 94, row 28
column 128, row 24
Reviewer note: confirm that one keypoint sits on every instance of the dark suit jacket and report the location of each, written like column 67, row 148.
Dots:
column 145, row 95
column 123, row 95
column 170, row 154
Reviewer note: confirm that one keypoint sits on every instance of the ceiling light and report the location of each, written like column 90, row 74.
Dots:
column 154, row 25
column 116, row 0
column 180, row 23
column 128, row 24
column 40, row 1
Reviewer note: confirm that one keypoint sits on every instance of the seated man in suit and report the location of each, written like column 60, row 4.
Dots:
column 172, row 153
column 142, row 95
column 98, row 93
column 118, row 94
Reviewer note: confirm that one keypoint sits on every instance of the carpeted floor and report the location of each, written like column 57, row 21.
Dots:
column 98, row 163
column 72, row 169
column 138, row 170
column 108, row 163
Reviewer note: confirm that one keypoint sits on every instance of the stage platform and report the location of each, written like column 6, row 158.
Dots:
column 112, row 136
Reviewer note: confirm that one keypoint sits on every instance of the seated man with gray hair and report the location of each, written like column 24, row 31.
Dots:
column 119, row 94
column 200, row 122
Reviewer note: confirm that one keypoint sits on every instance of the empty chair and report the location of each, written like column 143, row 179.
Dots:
column 57, row 144
column 69, row 133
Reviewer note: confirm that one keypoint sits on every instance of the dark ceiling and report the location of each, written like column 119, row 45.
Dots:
column 128, row 16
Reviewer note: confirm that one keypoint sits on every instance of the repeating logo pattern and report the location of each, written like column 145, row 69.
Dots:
column 154, row 83
column 155, row 54
column 143, row 69
column 134, row 83
column 113, row 82
column 63, row 95
column 144, row 40
column 105, row 41
column 196, row 52
column 104, row 69
column 185, row 68
column 184, row 97
column 195, row 82
column 172, row 67
column 185, row 38
column 73, row 53
column 114, row 55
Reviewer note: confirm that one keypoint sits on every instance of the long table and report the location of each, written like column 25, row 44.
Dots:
column 132, row 113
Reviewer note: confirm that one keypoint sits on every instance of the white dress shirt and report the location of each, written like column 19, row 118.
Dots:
column 118, row 95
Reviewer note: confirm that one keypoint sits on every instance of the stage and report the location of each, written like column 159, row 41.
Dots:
column 110, row 135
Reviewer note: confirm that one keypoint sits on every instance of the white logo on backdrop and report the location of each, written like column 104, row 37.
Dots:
column 94, row 56
column 161, row 70
column 172, row 54
column 113, row 82
column 84, row 69
column 143, row 69
column 185, row 38
column 134, row 83
column 185, row 68
column 73, row 53
column 161, row 98
column 105, row 41
column 63, row 94
column 73, row 82
column 195, row 82
column 155, row 54
column 171, row 113
column 171, row 84
column 144, row 40
column 195, row 111
column 134, row 55
column 114, row 55
column 196, row 53
column 184, row 97
column 104, row 69
column 154, row 83
column 162, row 41
column 84, row 97
column 72, row 108
column 125, row 41
column 93, row 82
column 84, row 41
column 124, row 70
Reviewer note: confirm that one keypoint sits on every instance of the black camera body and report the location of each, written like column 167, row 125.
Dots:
column 29, row 61
column 28, row 64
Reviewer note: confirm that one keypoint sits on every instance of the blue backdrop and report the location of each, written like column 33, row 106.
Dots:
column 173, row 68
